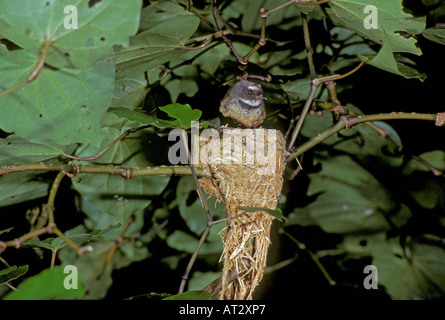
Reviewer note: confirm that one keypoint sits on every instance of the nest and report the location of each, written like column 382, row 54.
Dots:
column 244, row 175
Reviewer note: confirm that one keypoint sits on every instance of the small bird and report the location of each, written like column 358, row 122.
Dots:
column 244, row 102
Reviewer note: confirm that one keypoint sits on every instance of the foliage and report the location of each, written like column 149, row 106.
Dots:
column 367, row 194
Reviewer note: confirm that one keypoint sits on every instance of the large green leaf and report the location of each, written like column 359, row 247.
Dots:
column 21, row 187
column 192, row 212
column 130, row 91
column 114, row 194
column 16, row 150
column 156, row 46
column 414, row 271
column 385, row 60
column 349, row 199
column 28, row 23
column 49, row 284
column 391, row 19
column 368, row 146
column 96, row 267
column 159, row 12
column 60, row 106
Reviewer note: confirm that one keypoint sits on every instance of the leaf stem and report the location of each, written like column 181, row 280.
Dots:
column 35, row 71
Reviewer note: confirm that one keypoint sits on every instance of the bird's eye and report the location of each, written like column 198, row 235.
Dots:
column 250, row 92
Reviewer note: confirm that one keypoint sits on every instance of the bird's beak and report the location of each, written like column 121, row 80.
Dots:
column 260, row 96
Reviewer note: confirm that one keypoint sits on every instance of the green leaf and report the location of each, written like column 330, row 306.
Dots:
column 385, row 60
column 156, row 45
column 314, row 124
column 16, row 150
column 177, row 86
column 412, row 272
column 435, row 158
column 12, row 273
column 21, row 187
column 183, row 113
column 6, row 230
column 159, row 12
column 297, row 90
column 143, row 118
column 200, row 279
column 29, row 23
column 190, row 295
column 115, row 195
column 78, row 99
column 391, row 20
column 277, row 213
column 185, row 242
column 96, row 267
column 428, row 193
column 49, row 284
column 130, row 91
column 58, row 243
column 349, row 199
column 436, row 35
column 368, row 146
column 192, row 212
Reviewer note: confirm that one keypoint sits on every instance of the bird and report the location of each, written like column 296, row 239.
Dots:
column 244, row 103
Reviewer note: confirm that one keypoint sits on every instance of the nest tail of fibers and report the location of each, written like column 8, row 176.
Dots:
column 247, row 172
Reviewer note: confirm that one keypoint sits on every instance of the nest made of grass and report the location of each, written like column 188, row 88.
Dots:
column 250, row 180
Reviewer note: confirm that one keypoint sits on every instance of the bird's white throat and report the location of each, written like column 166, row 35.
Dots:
column 252, row 103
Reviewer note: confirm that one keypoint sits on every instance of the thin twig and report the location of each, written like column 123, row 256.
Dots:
column 313, row 256
column 314, row 85
column 206, row 208
column 221, row 33
column 309, row 50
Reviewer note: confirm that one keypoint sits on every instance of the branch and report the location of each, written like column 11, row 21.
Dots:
column 314, row 86
column 346, row 123
column 303, row 114
column 73, row 169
